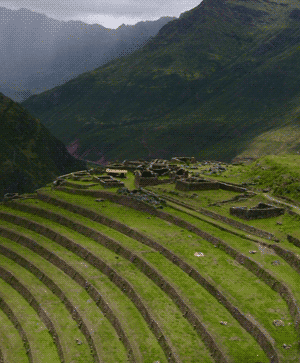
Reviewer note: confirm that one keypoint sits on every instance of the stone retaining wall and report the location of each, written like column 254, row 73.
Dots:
column 288, row 256
column 14, row 283
column 295, row 241
column 70, row 271
column 183, row 185
column 95, row 261
column 245, row 323
column 12, row 317
column 78, row 186
column 51, row 285
column 232, row 187
column 256, row 213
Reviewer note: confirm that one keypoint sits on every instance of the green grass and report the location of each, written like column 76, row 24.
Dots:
column 65, row 326
column 197, row 295
column 104, row 335
column 253, row 297
column 183, row 337
column 137, row 330
column 11, row 343
column 40, row 340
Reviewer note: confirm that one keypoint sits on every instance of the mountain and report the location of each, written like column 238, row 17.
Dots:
column 30, row 156
column 38, row 52
column 219, row 82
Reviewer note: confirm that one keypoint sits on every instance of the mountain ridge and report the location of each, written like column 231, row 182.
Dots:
column 209, row 84
column 39, row 52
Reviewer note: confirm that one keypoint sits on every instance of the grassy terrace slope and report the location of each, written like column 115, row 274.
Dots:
column 119, row 281
column 224, row 76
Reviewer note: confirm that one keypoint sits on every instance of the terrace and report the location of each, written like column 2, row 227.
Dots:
column 138, row 276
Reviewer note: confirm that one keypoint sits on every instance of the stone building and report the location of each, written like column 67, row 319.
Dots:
column 193, row 183
column 184, row 159
column 116, row 173
column 108, row 181
column 262, row 210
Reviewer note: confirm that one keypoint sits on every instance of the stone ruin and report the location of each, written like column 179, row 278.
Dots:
column 160, row 161
column 143, row 196
column 179, row 173
column 145, row 177
column 97, row 170
column 115, row 165
column 134, row 164
column 81, row 175
column 108, row 181
column 262, row 210
column 193, row 183
column 159, row 169
column 183, row 159
column 11, row 196
column 197, row 183
column 116, row 173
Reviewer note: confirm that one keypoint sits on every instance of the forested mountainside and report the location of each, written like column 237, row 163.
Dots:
column 39, row 52
column 29, row 155
column 220, row 81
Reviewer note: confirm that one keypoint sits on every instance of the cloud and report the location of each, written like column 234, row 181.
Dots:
column 109, row 13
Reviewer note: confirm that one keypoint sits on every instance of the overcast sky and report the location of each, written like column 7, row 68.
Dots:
column 109, row 13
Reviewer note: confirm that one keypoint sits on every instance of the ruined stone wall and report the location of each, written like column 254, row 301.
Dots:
column 232, row 187
column 140, row 181
column 248, row 325
column 86, row 186
column 290, row 257
column 293, row 240
column 186, row 186
column 207, row 185
column 249, row 214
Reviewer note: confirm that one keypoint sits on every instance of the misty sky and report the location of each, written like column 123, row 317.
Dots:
column 109, row 13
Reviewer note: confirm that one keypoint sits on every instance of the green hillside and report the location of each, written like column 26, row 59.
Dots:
column 220, row 81
column 29, row 155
